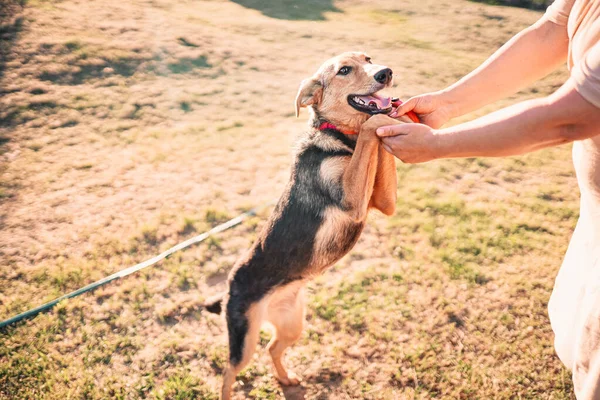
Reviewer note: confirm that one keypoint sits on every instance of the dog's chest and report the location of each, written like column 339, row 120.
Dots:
column 335, row 237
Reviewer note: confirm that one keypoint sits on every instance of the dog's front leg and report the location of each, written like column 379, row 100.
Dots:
column 370, row 178
column 384, row 190
column 359, row 177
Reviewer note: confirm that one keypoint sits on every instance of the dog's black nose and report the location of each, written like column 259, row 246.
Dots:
column 384, row 76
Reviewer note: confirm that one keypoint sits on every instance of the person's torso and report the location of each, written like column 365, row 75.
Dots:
column 584, row 32
column 586, row 159
column 583, row 29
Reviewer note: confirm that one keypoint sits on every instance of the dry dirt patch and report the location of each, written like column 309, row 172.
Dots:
column 126, row 127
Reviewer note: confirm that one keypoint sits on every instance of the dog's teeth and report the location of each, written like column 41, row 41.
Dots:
column 361, row 101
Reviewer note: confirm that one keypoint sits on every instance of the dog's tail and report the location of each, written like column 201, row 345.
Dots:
column 215, row 304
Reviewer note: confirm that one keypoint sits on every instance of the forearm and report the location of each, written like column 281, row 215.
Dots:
column 524, row 127
column 514, row 130
column 530, row 55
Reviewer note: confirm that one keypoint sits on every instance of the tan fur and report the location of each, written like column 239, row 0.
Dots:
column 359, row 178
column 284, row 311
column 324, row 142
column 329, row 234
column 309, row 93
column 367, row 179
column 285, row 314
column 384, row 188
column 328, row 91
column 333, row 168
column 255, row 317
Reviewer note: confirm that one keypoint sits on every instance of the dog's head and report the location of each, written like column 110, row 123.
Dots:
column 344, row 90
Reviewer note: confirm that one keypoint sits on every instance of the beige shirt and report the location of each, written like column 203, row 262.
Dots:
column 582, row 20
column 583, row 26
column 574, row 307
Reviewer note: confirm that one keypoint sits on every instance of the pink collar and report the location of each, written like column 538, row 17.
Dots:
column 329, row 125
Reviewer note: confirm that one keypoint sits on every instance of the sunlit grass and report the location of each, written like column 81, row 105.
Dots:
column 127, row 128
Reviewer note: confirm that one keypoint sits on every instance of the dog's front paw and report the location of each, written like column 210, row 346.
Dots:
column 290, row 380
column 377, row 121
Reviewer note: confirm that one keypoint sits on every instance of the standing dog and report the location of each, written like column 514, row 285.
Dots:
column 340, row 172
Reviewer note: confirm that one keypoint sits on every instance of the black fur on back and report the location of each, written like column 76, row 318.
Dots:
column 284, row 250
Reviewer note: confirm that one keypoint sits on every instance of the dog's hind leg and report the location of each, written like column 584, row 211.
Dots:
column 286, row 313
column 244, row 328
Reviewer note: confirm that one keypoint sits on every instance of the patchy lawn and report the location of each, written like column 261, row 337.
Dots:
column 128, row 126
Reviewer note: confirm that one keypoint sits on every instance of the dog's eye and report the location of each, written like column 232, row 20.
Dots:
column 344, row 70
column 368, row 59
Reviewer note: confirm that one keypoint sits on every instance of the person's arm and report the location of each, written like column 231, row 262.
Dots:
column 528, row 56
column 560, row 118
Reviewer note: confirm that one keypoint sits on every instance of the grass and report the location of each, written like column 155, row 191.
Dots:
column 127, row 128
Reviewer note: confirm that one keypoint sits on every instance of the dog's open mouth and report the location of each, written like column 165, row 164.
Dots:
column 371, row 103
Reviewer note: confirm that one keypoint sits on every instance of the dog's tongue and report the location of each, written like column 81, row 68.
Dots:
column 374, row 100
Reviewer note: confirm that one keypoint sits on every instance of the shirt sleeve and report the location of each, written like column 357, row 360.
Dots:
column 559, row 11
column 586, row 75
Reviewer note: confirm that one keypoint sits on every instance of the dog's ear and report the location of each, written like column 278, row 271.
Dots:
column 310, row 92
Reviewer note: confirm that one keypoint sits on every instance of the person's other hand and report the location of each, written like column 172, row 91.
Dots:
column 433, row 109
column 411, row 143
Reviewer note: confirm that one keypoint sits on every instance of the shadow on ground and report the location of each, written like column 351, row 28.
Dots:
column 291, row 9
column 531, row 4
column 294, row 392
column 11, row 23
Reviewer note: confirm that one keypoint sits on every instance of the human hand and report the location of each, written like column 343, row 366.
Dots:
column 411, row 143
column 433, row 109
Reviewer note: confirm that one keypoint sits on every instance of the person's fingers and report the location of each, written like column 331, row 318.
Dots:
column 387, row 148
column 392, row 130
column 407, row 106
column 401, row 108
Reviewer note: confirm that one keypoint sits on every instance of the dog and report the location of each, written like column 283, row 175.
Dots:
column 340, row 171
